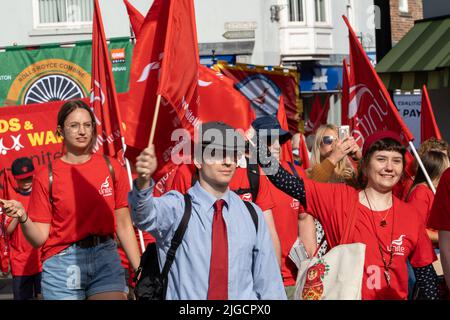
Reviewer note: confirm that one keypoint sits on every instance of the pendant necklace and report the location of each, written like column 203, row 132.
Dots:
column 386, row 265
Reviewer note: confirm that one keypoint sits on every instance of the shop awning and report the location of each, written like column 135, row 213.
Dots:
column 421, row 57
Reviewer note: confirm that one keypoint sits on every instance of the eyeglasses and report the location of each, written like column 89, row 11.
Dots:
column 75, row 126
column 328, row 140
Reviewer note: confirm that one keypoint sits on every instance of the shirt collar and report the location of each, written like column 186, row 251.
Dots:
column 204, row 197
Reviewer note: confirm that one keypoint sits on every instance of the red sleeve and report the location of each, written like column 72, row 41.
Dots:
column 423, row 254
column 39, row 208
column 421, row 200
column 264, row 199
column 440, row 211
column 330, row 203
column 121, row 185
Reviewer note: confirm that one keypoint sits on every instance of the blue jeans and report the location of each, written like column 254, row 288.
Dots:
column 77, row 273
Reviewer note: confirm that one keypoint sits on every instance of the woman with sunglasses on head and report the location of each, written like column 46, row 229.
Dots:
column 78, row 203
column 392, row 230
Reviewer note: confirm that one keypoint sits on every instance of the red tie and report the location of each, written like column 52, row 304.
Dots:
column 218, row 274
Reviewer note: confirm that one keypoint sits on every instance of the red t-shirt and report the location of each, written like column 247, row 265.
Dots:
column 332, row 204
column 440, row 212
column 25, row 260
column 183, row 181
column 84, row 200
column 285, row 215
column 421, row 197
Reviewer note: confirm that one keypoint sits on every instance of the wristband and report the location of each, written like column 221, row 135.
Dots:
column 25, row 219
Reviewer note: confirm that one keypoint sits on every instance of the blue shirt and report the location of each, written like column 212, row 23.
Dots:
column 253, row 270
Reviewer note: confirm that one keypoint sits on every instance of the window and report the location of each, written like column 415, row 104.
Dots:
column 296, row 11
column 403, row 6
column 63, row 13
column 320, row 11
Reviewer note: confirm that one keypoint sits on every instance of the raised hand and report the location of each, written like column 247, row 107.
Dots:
column 146, row 165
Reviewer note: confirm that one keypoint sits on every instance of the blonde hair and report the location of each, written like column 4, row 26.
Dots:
column 315, row 155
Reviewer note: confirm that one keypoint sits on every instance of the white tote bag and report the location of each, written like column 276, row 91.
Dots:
column 337, row 275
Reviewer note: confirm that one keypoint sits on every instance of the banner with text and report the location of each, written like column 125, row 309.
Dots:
column 55, row 72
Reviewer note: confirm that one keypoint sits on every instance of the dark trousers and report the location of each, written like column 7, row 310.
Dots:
column 26, row 287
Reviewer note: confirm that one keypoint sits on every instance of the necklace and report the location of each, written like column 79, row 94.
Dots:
column 383, row 222
column 386, row 265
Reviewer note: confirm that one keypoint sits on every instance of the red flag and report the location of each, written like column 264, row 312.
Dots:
column 323, row 116
column 286, row 148
column 303, row 149
column 345, row 95
column 180, row 60
column 136, row 18
column 157, row 68
column 428, row 125
column 220, row 101
column 313, row 116
column 103, row 93
column 370, row 102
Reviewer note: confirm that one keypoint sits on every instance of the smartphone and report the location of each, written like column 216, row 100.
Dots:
column 344, row 132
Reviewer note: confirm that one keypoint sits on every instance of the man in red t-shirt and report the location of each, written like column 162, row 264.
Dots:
column 26, row 264
column 440, row 220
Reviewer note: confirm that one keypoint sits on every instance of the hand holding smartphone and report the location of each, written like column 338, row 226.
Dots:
column 343, row 132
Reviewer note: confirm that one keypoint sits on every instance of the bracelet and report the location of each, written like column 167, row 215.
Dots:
column 25, row 219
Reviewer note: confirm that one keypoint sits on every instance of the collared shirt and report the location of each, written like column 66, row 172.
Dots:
column 253, row 271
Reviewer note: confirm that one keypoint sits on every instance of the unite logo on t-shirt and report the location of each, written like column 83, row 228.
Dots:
column 105, row 189
column 397, row 246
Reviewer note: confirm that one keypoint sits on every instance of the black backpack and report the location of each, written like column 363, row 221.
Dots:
column 152, row 284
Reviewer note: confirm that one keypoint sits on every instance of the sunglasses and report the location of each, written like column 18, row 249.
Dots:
column 328, row 140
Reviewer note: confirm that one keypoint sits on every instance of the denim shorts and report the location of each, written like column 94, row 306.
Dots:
column 78, row 273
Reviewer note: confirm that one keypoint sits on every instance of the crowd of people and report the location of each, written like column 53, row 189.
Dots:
column 68, row 230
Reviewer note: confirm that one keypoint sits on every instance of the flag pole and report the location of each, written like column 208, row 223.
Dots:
column 422, row 167
column 130, row 180
column 155, row 120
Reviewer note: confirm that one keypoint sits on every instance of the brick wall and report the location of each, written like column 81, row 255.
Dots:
column 401, row 23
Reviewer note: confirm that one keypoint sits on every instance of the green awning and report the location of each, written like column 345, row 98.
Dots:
column 421, row 57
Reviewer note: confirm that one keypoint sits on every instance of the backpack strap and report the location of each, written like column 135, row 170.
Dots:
column 253, row 179
column 110, row 168
column 50, row 182
column 294, row 171
column 253, row 214
column 176, row 241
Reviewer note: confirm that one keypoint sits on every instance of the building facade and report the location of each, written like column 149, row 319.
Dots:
column 403, row 15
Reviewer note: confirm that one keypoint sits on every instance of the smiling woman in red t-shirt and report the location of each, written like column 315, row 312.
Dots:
column 392, row 230
column 75, row 217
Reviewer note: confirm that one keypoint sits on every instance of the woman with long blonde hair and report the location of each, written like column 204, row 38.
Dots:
column 327, row 147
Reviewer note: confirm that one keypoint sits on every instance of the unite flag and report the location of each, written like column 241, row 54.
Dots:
column 370, row 105
column 103, row 96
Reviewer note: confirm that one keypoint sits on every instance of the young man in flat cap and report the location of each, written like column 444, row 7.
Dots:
column 224, row 254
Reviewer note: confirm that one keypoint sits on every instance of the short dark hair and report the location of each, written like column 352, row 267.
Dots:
column 386, row 144
column 70, row 106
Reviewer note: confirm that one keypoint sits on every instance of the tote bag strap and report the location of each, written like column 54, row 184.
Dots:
column 349, row 228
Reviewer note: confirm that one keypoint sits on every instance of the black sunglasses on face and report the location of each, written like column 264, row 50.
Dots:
column 328, row 140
